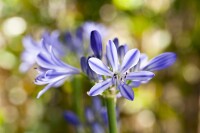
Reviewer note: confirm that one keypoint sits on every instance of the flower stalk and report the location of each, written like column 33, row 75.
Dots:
column 111, row 111
column 78, row 98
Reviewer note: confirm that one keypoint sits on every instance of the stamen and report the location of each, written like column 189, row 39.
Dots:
column 115, row 75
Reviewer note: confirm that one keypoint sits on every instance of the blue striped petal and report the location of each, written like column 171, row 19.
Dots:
column 100, row 87
column 84, row 64
column 131, row 58
column 121, row 52
column 57, row 62
column 96, row 43
column 143, row 60
column 126, row 91
column 161, row 61
column 140, row 76
column 46, row 88
column 43, row 61
column 97, row 66
column 112, row 56
column 116, row 42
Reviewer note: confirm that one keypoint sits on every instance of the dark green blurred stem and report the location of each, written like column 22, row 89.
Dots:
column 77, row 95
column 111, row 111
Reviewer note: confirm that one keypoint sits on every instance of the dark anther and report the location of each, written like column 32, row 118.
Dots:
column 115, row 76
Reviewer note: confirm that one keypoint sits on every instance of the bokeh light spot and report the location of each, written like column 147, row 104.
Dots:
column 107, row 12
column 17, row 96
column 128, row 4
column 146, row 118
column 8, row 60
column 14, row 26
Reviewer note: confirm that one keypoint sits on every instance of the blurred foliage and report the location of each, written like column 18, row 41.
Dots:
column 168, row 104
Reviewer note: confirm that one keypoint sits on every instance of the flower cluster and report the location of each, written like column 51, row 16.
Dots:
column 115, row 71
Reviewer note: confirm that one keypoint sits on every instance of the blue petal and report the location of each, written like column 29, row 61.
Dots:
column 62, row 65
column 126, row 91
column 131, row 58
column 97, row 66
column 43, row 61
column 100, row 87
column 84, row 64
column 112, row 56
column 52, row 83
column 121, row 52
column 45, row 89
column 96, row 43
column 68, row 37
column 71, row 118
column 140, row 76
column 134, row 84
column 116, row 42
column 161, row 61
column 143, row 60
column 30, row 44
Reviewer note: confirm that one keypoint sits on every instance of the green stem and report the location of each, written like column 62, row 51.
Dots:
column 111, row 111
column 78, row 98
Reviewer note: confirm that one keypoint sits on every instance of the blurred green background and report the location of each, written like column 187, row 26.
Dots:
column 170, row 103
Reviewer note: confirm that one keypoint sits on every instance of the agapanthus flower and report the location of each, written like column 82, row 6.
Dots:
column 52, row 71
column 117, row 73
column 32, row 48
column 95, row 117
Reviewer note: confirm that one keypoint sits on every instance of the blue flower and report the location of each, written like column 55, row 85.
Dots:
column 52, row 70
column 118, row 75
column 33, row 48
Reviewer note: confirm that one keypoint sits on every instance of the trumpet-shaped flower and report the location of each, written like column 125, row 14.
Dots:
column 118, row 75
column 52, row 70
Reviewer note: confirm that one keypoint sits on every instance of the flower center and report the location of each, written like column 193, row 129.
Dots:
column 120, row 77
